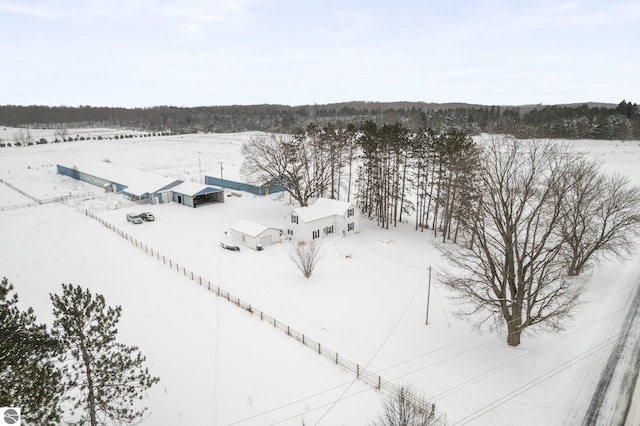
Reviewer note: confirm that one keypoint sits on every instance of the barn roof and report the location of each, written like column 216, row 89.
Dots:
column 192, row 189
column 323, row 207
column 135, row 180
column 142, row 189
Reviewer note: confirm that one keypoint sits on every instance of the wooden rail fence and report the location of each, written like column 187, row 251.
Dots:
column 359, row 371
column 39, row 201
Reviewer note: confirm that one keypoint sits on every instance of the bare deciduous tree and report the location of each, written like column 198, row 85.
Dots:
column 305, row 256
column 292, row 161
column 515, row 272
column 403, row 409
column 601, row 217
column 61, row 133
column 22, row 137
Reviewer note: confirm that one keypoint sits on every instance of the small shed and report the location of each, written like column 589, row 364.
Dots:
column 254, row 235
column 194, row 194
column 323, row 218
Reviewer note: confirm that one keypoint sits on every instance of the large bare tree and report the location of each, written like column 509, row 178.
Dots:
column 515, row 273
column 296, row 162
column 601, row 216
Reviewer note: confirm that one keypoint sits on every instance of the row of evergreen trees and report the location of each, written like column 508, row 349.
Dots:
column 391, row 170
column 567, row 122
column 405, row 172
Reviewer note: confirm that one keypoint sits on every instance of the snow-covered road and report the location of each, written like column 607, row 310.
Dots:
column 617, row 396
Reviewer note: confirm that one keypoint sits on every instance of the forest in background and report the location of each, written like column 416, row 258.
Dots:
column 575, row 121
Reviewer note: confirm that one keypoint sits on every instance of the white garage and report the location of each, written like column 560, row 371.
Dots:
column 254, row 235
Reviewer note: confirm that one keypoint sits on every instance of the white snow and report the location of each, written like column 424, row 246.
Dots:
column 366, row 299
column 192, row 189
column 321, row 208
column 249, row 228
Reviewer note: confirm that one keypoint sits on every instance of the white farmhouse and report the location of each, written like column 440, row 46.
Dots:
column 254, row 235
column 325, row 217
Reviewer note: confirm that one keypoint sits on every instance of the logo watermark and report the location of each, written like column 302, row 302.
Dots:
column 10, row 416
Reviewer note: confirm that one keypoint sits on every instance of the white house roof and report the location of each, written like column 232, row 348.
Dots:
column 192, row 189
column 249, row 228
column 139, row 181
column 323, row 207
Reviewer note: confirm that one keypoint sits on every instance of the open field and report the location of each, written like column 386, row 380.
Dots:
column 365, row 300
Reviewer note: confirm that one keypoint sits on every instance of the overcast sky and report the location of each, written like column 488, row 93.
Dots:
column 139, row 53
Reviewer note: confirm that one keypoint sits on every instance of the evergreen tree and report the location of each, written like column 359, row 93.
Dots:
column 29, row 378
column 106, row 377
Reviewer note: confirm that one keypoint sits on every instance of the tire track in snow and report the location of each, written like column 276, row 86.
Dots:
column 617, row 388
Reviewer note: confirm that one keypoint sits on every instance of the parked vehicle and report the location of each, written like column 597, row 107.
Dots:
column 134, row 218
column 232, row 247
column 147, row 217
column 227, row 243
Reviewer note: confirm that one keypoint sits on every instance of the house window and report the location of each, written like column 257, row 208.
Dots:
column 316, row 234
column 350, row 213
column 289, row 231
column 350, row 226
column 294, row 219
column 328, row 230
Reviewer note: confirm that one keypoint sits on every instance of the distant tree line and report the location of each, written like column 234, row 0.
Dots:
column 23, row 137
column 603, row 121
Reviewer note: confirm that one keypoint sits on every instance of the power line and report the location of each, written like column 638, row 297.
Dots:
column 322, row 406
column 519, row 358
column 448, row 391
column 381, row 345
column 408, row 265
column 540, row 379
column 346, row 383
column 289, row 404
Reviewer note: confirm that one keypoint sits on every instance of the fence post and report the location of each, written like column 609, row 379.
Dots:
column 261, row 316
column 318, row 347
column 358, row 370
column 288, row 333
column 303, row 339
column 274, row 322
column 379, row 379
column 336, row 357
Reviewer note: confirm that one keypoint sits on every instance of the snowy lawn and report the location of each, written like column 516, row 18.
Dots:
column 366, row 300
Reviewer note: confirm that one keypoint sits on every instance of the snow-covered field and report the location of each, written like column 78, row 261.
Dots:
column 366, row 300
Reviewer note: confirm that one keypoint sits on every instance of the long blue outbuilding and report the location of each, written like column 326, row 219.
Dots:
column 140, row 186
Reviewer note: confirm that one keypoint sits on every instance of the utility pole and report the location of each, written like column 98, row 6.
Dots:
column 221, row 177
column 199, row 168
column 428, row 296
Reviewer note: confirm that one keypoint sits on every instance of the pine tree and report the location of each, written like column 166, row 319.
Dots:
column 106, row 377
column 29, row 378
